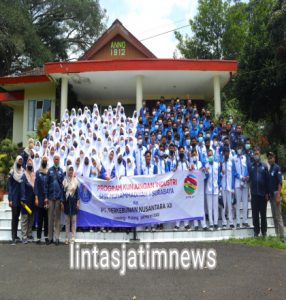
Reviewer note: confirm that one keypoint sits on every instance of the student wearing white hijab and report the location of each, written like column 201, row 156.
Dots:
column 120, row 169
column 130, row 166
column 107, row 171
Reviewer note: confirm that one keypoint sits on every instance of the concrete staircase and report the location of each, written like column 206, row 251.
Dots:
column 167, row 235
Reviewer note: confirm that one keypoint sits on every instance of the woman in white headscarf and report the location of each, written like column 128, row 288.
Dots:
column 95, row 167
column 120, row 169
column 37, row 162
column 44, row 150
column 85, row 171
column 28, row 151
column 107, row 171
column 130, row 166
column 71, row 203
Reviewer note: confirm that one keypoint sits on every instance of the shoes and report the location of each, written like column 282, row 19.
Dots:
column 72, row 240
column 188, row 228
column 66, row 241
column 256, row 235
column 245, row 225
column 176, row 228
column 237, row 226
column 196, row 228
column 57, row 242
column 211, row 228
column 30, row 239
column 38, row 241
column 146, row 228
column 13, row 243
column 223, row 226
column 153, row 229
column 46, row 241
column 17, row 239
column 25, row 241
column 205, row 229
column 231, row 226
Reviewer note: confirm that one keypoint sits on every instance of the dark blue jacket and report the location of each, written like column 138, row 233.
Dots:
column 27, row 194
column 54, row 184
column 258, row 175
column 14, row 191
column 39, row 189
column 275, row 178
column 70, row 204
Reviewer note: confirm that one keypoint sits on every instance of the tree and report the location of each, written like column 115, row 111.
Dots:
column 208, row 28
column 33, row 32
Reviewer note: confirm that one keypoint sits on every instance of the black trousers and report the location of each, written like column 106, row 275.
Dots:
column 259, row 205
column 15, row 221
column 42, row 219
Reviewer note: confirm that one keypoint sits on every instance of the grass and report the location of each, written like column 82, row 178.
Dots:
column 272, row 242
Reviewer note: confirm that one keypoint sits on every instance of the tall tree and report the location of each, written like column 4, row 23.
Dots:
column 35, row 31
column 208, row 28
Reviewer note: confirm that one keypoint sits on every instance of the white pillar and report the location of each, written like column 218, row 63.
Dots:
column 139, row 92
column 217, row 100
column 64, row 95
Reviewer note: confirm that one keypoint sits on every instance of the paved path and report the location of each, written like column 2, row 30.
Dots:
column 42, row 272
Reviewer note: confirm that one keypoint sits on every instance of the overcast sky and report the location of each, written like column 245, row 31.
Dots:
column 146, row 18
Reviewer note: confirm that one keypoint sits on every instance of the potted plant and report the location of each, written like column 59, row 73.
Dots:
column 8, row 153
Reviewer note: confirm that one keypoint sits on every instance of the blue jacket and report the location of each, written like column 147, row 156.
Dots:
column 14, row 191
column 39, row 188
column 70, row 204
column 275, row 178
column 27, row 194
column 54, row 184
column 258, row 175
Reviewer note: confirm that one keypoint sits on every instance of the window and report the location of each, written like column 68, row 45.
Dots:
column 36, row 108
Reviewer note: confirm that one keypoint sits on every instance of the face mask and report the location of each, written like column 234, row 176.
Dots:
column 119, row 160
column 30, row 168
column 57, row 134
column 215, row 143
column 44, row 164
column 200, row 139
column 160, row 122
column 181, row 155
column 18, row 166
column 239, row 151
column 161, row 153
column 208, row 135
column 86, row 162
column 188, row 142
column 131, row 144
column 153, row 113
column 211, row 159
column 105, row 153
column 256, row 157
column 177, row 143
column 171, row 152
column 62, row 152
column 139, row 142
column 37, row 148
column 159, row 136
column 195, row 159
column 129, row 164
column 37, row 159
column 247, row 146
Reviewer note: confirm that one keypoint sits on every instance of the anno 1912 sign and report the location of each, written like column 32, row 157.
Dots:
column 118, row 48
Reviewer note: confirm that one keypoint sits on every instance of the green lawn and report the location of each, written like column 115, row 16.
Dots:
column 272, row 242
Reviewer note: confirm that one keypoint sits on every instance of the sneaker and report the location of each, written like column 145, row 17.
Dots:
column 188, row 228
column 176, row 228
column 216, row 227
column 211, row 228
column 72, row 240
column 57, row 242
column 17, row 239
column 223, row 226
column 91, row 230
column 196, row 228
column 102, row 229
column 47, row 241
column 153, row 229
column 161, row 227
column 256, row 235
column 109, row 230
column 231, row 226
column 245, row 225
column 25, row 241
column 13, row 243
column 238, row 226
column 66, row 241
column 30, row 239
column 38, row 241
column 146, row 228
column 205, row 229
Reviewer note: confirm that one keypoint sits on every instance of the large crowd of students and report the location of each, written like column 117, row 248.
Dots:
column 166, row 138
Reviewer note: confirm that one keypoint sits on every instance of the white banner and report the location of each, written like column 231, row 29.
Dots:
column 141, row 200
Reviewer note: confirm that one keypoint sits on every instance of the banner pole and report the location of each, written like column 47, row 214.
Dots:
column 134, row 239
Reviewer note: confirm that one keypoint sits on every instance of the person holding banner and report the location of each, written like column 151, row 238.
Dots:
column 182, row 165
column 107, row 170
column 71, row 203
column 213, row 177
column 27, row 198
column 14, row 195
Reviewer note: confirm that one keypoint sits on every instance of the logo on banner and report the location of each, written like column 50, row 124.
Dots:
column 84, row 193
column 190, row 184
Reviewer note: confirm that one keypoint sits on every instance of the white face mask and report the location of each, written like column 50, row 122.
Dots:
column 215, row 143
column 239, row 151
column 105, row 153
column 195, row 159
column 129, row 164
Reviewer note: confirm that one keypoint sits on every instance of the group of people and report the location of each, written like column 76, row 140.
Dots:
column 164, row 138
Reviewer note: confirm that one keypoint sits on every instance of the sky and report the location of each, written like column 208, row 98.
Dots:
column 146, row 18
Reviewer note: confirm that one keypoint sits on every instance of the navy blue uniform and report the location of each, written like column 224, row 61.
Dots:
column 258, row 175
column 54, row 184
column 275, row 178
column 27, row 194
column 70, row 204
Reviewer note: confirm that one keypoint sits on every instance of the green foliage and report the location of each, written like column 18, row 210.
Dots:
column 283, row 194
column 281, row 157
column 44, row 125
column 272, row 242
column 33, row 32
column 8, row 153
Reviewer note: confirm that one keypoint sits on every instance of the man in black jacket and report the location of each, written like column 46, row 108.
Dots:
column 258, row 175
